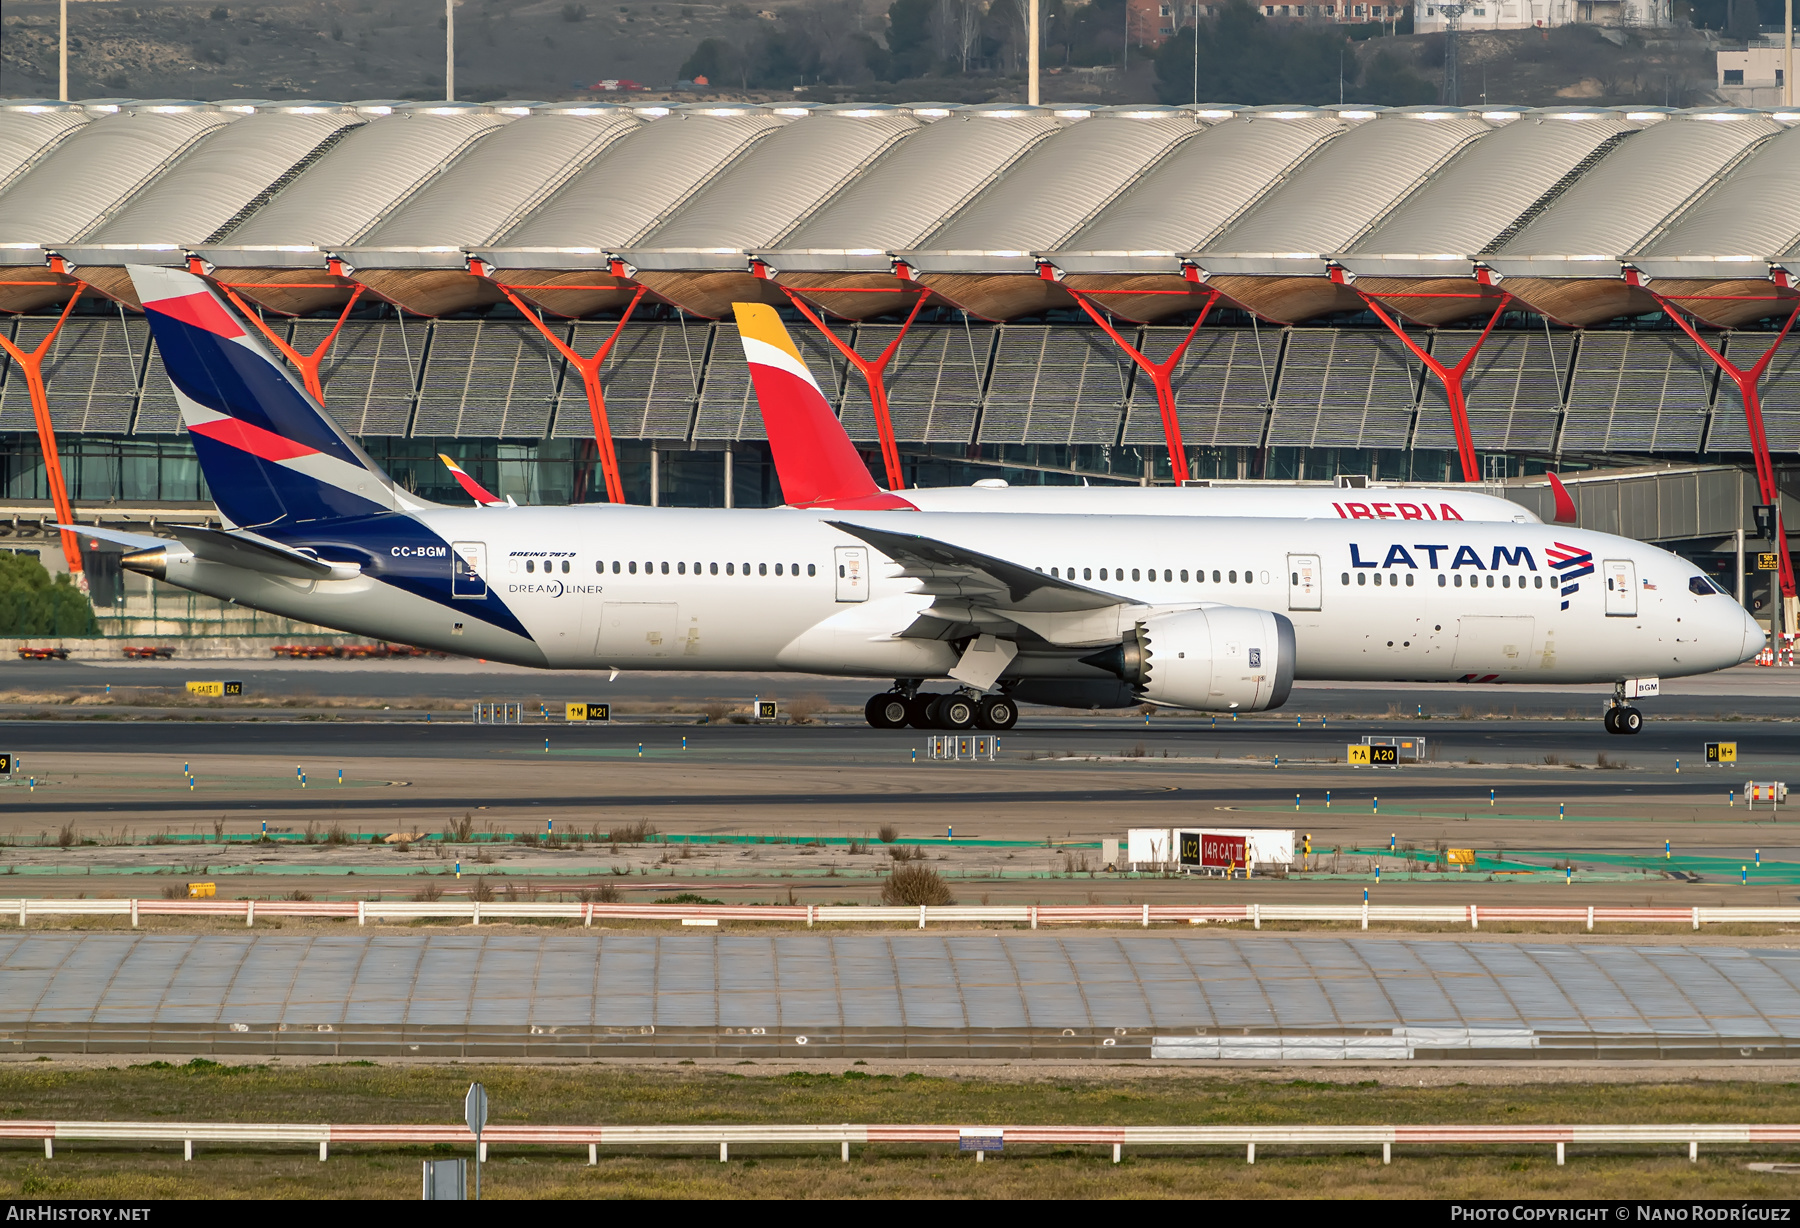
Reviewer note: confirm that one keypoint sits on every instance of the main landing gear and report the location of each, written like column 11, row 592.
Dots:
column 907, row 705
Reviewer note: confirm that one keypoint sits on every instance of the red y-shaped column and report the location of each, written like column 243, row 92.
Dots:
column 1450, row 377
column 1161, row 373
column 308, row 364
column 590, row 383
column 873, row 371
column 1746, row 379
column 31, row 362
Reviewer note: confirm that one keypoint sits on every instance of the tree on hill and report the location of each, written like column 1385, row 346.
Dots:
column 1246, row 58
column 31, row 604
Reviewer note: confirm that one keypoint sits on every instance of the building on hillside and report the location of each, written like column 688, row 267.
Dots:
column 1153, row 22
column 1543, row 14
column 1753, row 77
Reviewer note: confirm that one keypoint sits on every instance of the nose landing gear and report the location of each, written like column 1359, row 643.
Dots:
column 1623, row 718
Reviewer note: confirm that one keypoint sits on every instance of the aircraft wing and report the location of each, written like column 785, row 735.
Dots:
column 958, row 573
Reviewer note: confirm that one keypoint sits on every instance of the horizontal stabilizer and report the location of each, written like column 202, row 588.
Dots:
column 245, row 550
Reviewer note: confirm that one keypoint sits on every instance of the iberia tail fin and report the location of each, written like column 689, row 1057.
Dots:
column 475, row 490
column 814, row 458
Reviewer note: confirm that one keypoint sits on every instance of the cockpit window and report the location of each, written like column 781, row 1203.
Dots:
column 1705, row 586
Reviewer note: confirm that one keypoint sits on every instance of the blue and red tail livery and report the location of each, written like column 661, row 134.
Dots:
column 272, row 456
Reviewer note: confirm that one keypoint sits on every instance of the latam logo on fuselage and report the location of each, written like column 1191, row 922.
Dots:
column 1569, row 562
column 1395, row 511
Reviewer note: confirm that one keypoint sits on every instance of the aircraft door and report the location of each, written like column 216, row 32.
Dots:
column 1621, row 588
column 468, row 569
column 1304, row 582
column 852, row 572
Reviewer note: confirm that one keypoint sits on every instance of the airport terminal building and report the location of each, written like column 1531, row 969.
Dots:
column 1049, row 294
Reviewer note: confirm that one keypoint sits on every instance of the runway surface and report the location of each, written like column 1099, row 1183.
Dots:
column 1103, row 995
column 1746, row 690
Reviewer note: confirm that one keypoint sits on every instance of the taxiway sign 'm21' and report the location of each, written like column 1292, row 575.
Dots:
column 1209, row 614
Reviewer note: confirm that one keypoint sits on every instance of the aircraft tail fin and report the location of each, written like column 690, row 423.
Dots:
column 273, row 458
column 475, row 490
column 814, row 458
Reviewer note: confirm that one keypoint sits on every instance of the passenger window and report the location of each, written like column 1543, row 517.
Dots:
column 1215, row 575
column 615, row 567
column 1490, row 581
column 1362, row 577
column 1442, row 580
column 1087, row 573
column 599, row 568
column 840, row 571
column 811, row 569
column 1459, row 581
column 1134, row 573
column 712, row 569
column 530, row 566
column 762, row 569
column 634, row 568
column 728, row 570
column 778, row 569
column 681, row 569
column 1505, row 581
column 1166, row 575
column 565, row 567
column 1537, row 582
column 1234, row 577
column 1346, row 577
column 1409, row 579
column 1184, row 575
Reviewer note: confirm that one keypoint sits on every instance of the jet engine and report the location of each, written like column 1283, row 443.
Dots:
column 1218, row 659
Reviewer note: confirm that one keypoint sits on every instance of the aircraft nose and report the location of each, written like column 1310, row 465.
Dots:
column 1753, row 635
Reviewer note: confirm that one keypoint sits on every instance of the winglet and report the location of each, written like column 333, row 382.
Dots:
column 814, row 458
column 1565, row 506
column 475, row 490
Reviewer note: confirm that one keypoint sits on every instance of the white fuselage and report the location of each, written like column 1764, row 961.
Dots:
column 1272, row 499
column 598, row 587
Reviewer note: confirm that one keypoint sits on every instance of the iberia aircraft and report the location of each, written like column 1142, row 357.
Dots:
column 820, row 467
column 1210, row 614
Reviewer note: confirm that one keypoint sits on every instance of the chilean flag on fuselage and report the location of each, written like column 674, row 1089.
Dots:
column 272, row 457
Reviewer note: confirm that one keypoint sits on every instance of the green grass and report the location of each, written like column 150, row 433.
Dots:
column 351, row 1092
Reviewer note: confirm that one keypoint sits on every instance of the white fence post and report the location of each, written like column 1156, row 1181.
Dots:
column 477, row 920
column 1256, row 916
column 1590, row 916
column 361, row 913
column 1693, row 1151
column 1365, row 916
column 249, row 913
column 593, row 1154
column 1387, row 1153
column 1474, row 917
column 1559, row 1155
column 589, row 921
column 134, row 914
column 1146, row 916
column 1696, row 917
column 322, row 1150
column 724, row 1153
column 1034, row 909
column 49, row 1148
column 921, row 916
column 1250, row 1153
column 1118, row 1148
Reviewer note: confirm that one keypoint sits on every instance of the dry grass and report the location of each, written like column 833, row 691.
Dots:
column 586, row 1094
column 911, row 884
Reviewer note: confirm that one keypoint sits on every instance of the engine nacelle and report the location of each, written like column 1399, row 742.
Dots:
column 1219, row 659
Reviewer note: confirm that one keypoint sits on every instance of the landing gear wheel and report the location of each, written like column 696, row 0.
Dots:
column 1629, row 721
column 955, row 711
column 997, row 712
column 1611, row 720
column 886, row 711
column 918, row 711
